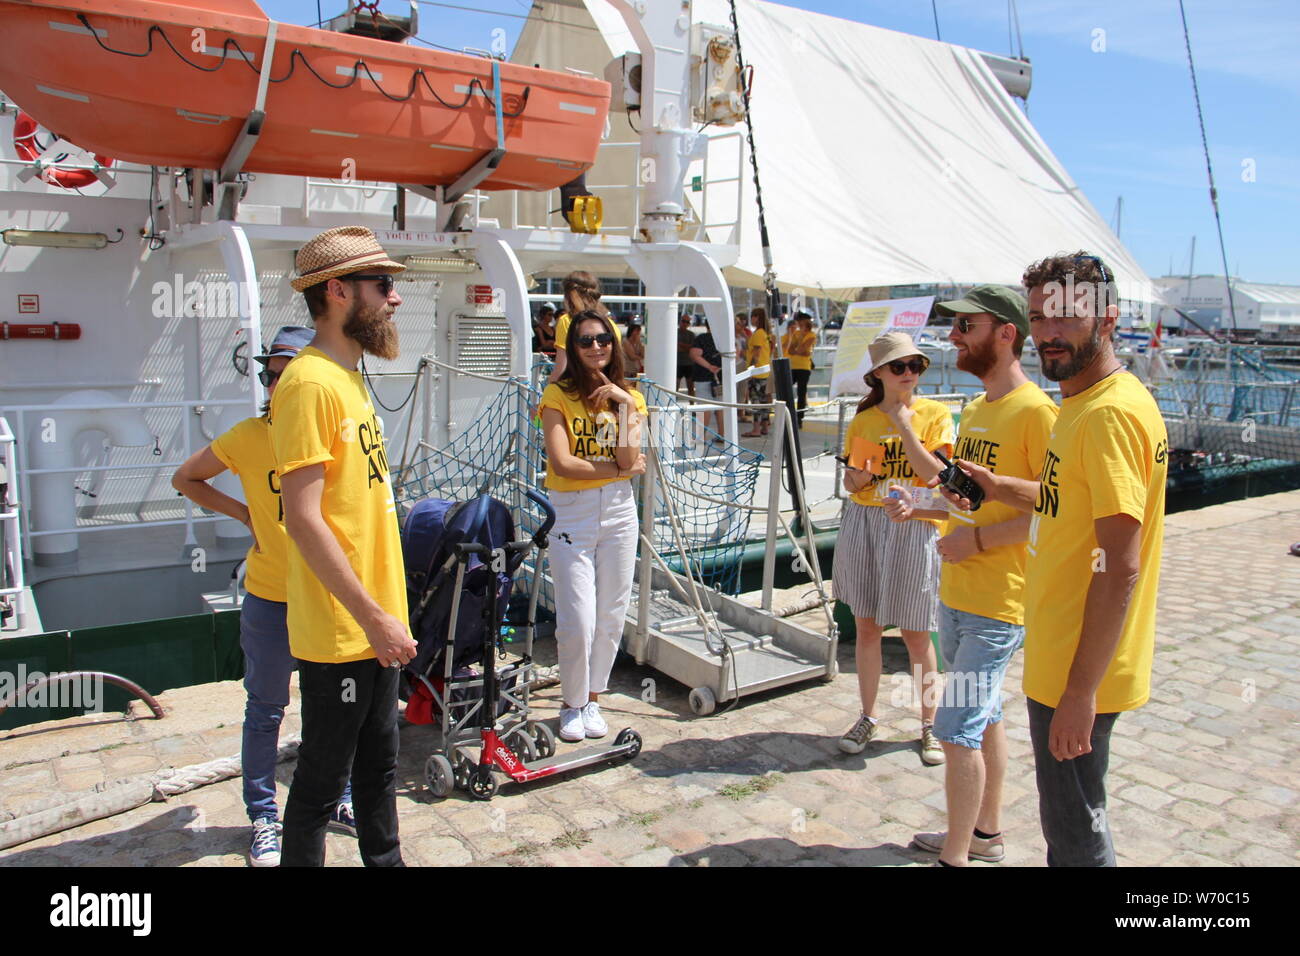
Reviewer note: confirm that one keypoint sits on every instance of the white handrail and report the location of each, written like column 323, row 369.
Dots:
column 10, row 519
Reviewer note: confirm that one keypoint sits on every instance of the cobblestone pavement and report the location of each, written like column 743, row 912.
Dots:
column 1206, row 774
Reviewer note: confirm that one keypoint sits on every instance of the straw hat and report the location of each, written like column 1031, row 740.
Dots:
column 339, row 252
column 890, row 347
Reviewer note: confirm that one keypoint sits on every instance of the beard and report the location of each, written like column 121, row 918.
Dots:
column 372, row 329
column 978, row 359
column 1059, row 370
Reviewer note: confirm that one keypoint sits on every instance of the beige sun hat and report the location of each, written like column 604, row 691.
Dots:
column 339, row 252
column 890, row 347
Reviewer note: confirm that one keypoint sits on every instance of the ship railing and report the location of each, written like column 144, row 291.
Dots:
column 1227, row 400
column 23, row 415
column 12, row 589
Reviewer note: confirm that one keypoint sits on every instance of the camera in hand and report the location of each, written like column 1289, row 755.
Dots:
column 960, row 483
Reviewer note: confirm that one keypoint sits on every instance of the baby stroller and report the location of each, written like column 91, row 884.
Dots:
column 460, row 563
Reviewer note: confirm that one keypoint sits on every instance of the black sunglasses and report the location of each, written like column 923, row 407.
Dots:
column 385, row 280
column 587, row 341
column 917, row 365
column 267, row 377
column 964, row 324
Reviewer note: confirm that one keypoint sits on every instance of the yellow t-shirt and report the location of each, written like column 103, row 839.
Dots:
column 246, row 451
column 321, row 414
column 932, row 423
column 798, row 339
column 1008, row 437
column 592, row 439
column 1108, row 455
column 562, row 330
column 760, row 340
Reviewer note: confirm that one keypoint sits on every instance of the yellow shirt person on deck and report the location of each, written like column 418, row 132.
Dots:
column 336, row 426
column 1108, row 456
column 1010, row 437
column 932, row 423
column 246, row 450
column 590, row 438
column 797, row 346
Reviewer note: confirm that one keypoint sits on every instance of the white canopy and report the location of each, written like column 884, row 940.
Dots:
column 886, row 159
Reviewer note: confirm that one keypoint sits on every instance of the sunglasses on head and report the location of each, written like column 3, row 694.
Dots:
column 587, row 341
column 1106, row 277
column 267, row 377
column 385, row 280
column 917, row 365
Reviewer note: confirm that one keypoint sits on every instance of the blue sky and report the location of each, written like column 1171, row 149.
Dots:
column 1122, row 119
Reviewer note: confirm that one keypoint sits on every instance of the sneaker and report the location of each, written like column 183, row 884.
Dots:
column 265, row 850
column 931, row 750
column 855, row 741
column 572, row 728
column 991, row 850
column 592, row 721
column 343, row 821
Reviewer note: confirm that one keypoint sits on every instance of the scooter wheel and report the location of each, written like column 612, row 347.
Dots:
column 464, row 771
column 629, row 736
column 482, row 786
column 438, row 775
column 545, row 738
column 524, row 744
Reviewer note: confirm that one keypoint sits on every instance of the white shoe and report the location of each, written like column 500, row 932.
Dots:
column 592, row 721
column 572, row 727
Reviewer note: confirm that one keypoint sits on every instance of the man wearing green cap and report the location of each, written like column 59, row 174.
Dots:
column 981, row 607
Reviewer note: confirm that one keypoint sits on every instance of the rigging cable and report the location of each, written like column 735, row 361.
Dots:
column 769, row 276
column 374, row 391
column 1205, row 145
column 934, row 7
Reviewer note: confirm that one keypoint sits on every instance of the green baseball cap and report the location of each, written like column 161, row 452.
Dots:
column 997, row 300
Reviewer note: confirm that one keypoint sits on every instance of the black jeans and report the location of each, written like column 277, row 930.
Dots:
column 349, row 719
column 1072, row 794
column 801, row 376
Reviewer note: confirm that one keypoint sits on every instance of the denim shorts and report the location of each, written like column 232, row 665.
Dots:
column 976, row 651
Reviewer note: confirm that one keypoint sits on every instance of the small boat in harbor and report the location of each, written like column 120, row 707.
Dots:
column 173, row 84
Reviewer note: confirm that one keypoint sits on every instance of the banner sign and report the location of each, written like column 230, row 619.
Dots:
column 863, row 322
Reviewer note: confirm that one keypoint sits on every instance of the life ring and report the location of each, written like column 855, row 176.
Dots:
column 27, row 148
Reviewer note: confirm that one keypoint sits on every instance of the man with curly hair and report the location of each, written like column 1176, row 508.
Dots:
column 1094, row 552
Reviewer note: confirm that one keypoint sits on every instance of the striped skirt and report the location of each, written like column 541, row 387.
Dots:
column 887, row 571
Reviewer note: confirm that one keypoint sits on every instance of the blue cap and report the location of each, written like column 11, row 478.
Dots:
column 289, row 341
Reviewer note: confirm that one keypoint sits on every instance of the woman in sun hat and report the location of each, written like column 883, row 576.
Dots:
column 245, row 450
column 888, row 573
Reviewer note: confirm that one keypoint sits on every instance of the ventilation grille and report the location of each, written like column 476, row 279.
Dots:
column 482, row 344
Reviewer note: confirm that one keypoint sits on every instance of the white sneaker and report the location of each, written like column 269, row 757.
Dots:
column 592, row 721
column 572, row 727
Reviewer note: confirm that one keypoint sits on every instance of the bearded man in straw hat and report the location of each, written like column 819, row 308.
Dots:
column 346, row 582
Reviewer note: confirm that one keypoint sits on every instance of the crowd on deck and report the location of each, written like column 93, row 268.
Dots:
column 1032, row 524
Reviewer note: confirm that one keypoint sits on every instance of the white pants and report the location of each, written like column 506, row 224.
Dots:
column 592, row 553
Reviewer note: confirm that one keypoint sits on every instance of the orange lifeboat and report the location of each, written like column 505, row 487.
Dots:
column 172, row 84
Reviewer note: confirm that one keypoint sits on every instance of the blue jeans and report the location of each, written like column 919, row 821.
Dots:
column 976, row 651
column 1072, row 794
column 268, row 665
